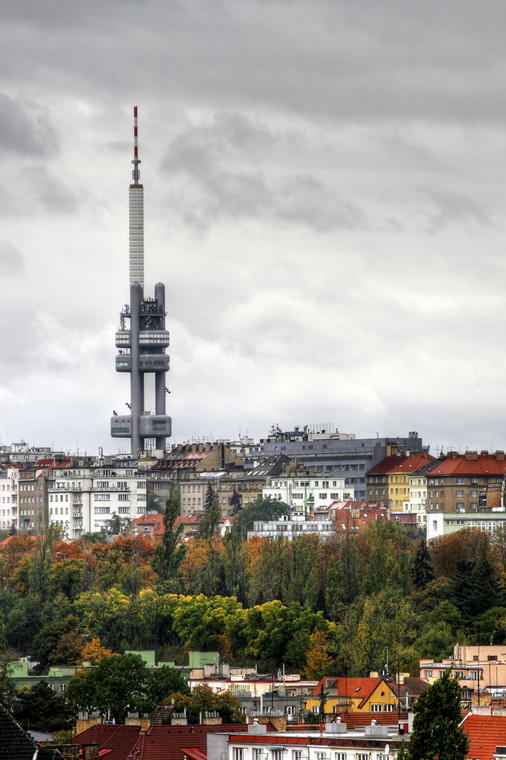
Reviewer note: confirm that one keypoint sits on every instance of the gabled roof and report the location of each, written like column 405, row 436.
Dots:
column 413, row 464
column 387, row 464
column 354, row 688
column 151, row 518
column 486, row 733
column 118, row 740
column 17, row 744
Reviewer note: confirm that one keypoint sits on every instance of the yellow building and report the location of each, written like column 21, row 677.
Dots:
column 352, row 695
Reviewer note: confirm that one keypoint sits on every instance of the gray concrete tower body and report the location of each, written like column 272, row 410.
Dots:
column 142, row 337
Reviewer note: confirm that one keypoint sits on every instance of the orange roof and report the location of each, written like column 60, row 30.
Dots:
column 387, row 464
column 483, row 464
column 486, row 733
column 412, row 464
column 361, row 688
column 155, row 519
column 345, row 521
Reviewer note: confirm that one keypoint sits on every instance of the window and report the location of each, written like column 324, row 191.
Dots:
column 428, row 674
column 460, row 493
column 256, row 753
column 103, row 484
column 376, row 708
column 101, row 497
column 362, row 756
column 238, row 753
column 123, row 496
column 340, row 756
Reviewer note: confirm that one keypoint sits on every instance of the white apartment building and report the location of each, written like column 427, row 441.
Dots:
column 292, row 529
column 417, row 503
column 304, row 493
column 9, row 517
column 82, row 499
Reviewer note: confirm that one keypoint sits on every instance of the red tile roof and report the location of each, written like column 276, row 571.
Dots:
column 115, row 742
column 387, row 464
column 412, row 464
column 349, row 687
column 486, row 733
column 168, row 742
column 154, row 519
column 482, row 464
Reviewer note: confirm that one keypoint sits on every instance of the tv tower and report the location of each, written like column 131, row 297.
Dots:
column 141, row 337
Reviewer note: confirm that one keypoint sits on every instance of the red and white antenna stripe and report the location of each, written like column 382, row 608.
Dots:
column 136, row 175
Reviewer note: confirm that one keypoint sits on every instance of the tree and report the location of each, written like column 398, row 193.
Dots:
column 39, row 707
column 235, row 502
column 203, row 699
column 209, row 497
column 436, row 725
column 119, row 685
column 209, row 522
column 259, row 510
column 170, row 553
column 317, row 658
column 7, row 689
column 422, row 571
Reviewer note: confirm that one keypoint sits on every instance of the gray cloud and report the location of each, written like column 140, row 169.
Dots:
column 453, row 207
column 11, row 259
column 25, row 128
column 230, row 169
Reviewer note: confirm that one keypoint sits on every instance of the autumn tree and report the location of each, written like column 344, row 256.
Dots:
column 318, row 660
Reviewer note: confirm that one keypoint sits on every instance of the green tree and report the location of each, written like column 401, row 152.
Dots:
column 169, row 554
column 203, row 699
column 119, row 685
column 259, row 510
column 436, row 725
column 422, row 571
column 39, row 707
column 209, row 522
column 209, row 497
column 7, row 689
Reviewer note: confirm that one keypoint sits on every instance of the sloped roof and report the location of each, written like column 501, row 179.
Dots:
column 387, row 464
column 361, row 688
column 486, row 733
column 462, row 464
column 17, row 744
column 356, row 719
column 118, row 740
column 413, row 464
column 151, row 518
column 169, row 742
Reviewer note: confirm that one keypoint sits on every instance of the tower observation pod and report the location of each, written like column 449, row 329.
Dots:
column 141, row 339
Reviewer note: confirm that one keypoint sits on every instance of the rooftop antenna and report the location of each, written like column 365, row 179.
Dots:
column 136, row 174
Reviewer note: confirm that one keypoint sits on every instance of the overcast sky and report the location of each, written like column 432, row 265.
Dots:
column 325, row 195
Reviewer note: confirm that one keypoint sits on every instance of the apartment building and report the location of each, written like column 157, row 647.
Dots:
column 85, row 494
column 9, row 517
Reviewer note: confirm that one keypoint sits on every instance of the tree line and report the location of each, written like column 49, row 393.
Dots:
column 334, row 605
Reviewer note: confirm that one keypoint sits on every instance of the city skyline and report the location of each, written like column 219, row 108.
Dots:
column 323, row 201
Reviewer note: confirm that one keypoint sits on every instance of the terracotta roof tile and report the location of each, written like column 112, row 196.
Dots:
column 486, row 733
